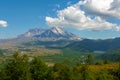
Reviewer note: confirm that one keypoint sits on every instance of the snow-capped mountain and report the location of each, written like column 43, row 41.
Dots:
column 32, row 32
column 52, row 34
column 55, row 33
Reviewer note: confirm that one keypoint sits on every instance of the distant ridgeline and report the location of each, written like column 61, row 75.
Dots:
column 57, row 37
column 95, row 45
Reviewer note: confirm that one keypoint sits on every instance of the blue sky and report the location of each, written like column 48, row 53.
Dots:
column 22, row 15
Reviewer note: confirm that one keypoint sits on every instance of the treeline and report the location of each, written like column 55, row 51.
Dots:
column 20, row 67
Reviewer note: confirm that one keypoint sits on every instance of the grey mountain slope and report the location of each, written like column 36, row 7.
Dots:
column 55, row 33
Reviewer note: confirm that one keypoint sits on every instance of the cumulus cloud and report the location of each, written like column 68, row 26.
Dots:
column 3, row 23
column 74, row 16
column 103, row 8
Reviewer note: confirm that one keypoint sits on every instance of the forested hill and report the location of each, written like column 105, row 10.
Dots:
column 95, row 45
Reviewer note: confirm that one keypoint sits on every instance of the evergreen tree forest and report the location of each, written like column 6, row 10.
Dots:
column 20, row 67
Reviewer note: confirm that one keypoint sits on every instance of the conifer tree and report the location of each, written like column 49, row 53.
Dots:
column 90, row 59
column 39, row 69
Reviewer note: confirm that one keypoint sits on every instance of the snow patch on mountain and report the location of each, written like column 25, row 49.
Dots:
column 57, row 30
column 52, row 34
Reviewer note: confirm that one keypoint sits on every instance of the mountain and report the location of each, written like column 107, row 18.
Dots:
column 55, row 33
column 57, row 37
column 52, row 34
column 95, row 45
column 31, row 33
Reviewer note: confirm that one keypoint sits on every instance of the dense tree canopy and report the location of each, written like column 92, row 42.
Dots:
column 20, row 67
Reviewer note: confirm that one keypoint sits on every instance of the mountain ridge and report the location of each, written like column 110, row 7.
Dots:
column 54, row 33
column 57, row 37
column 95, row 45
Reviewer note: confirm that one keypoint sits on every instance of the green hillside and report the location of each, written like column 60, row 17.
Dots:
column 20, row 67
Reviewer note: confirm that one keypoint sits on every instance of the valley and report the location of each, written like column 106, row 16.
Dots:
column 59, row 39
column 55, row 54
column 59, row 55
column 57, row 45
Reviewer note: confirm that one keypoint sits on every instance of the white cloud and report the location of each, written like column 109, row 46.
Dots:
column 3, row 23
column 73, row 16
column 103, row 8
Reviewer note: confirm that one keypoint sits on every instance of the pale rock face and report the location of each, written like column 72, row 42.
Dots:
column 28, row 34
column 55, row 33
column 32, row 32
column 58, row 30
